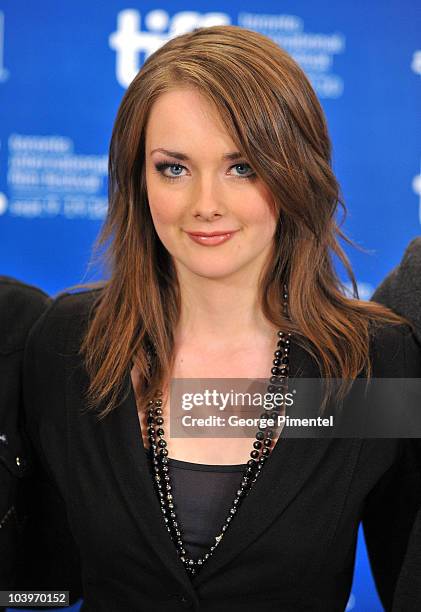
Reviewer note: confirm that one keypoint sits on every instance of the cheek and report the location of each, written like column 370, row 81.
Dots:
column 164, row 208
column 164, row 221
column 162, row 214
column 259, row 206
column 258, row 212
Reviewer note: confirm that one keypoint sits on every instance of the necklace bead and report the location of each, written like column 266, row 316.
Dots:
column 262, row 448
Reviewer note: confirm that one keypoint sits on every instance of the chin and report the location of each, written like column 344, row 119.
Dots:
column 212, row 270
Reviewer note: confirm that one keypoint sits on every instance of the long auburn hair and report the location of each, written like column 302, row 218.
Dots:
column 274, row 117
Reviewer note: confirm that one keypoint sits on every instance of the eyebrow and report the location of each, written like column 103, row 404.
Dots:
column 183, row 157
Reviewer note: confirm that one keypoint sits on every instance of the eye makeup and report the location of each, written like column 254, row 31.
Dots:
column 164, row 165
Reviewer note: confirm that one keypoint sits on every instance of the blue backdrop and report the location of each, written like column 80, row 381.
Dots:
column 65, row 66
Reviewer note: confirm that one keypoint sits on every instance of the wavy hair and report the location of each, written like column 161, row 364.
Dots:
column 272, row 114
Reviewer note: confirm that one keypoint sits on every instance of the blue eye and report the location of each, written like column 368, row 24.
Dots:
column 176, row 169
column 243, row 164
column 162, row 166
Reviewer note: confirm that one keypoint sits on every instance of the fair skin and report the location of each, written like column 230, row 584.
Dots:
column 222, row 332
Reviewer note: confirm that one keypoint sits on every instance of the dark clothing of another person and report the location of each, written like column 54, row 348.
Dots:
column 36, row 551
column 20, row 306
column 401, row 291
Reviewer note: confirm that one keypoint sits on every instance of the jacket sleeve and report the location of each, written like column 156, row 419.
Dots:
column 49, row 558
column 408, row 589
column 392, row 508
column 390, row 513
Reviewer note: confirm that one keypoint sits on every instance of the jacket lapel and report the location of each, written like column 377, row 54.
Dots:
column 123, row 440
column 290, row 464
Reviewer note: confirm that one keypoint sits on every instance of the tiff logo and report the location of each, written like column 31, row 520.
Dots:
column 4, row 73
column 129, row 41
column 416, row 187
column 416, row 181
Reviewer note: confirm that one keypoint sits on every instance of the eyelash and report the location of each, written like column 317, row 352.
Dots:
column 161, row 166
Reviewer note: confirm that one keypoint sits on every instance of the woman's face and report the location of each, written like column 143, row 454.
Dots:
column 197, row 182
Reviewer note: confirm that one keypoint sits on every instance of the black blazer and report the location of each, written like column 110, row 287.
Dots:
column 291, row 545
column 20, row 306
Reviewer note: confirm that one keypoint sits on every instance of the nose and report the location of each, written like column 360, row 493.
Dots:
column 207, row 200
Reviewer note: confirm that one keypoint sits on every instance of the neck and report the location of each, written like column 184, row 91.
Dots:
column 220, row 312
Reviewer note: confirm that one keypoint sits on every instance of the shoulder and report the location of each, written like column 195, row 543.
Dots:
column 394, row 351
column 64, row 321
column 52, row 351
column 74, row 305
column 20, row 306
column 407, row 272
column 410, row 265
column 401, row 289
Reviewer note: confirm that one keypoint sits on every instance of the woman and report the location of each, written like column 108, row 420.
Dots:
column 219, row 134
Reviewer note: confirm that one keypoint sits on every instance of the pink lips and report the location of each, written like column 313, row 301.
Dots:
column 211, row 238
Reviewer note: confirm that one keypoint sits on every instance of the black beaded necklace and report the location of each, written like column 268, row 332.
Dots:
column 262, row 447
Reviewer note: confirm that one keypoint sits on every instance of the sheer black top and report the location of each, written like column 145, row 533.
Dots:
column 202, row 516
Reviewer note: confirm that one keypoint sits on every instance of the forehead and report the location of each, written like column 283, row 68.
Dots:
column 185, row 117
column 185, row 99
